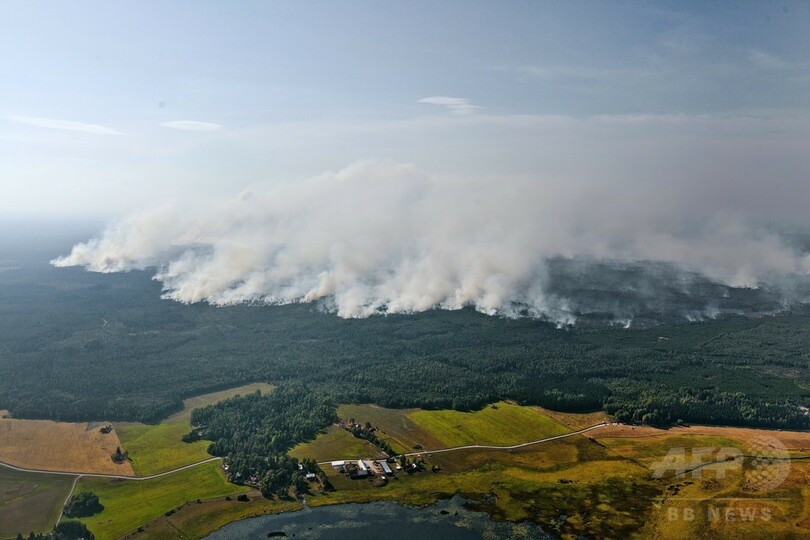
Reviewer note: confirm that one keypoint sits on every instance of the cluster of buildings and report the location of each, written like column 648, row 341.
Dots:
column 363, row 468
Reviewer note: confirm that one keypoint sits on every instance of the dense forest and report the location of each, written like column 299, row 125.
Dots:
column 82, row 346
column 255, row 431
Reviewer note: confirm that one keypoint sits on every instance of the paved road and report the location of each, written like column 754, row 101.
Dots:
column 493, row 447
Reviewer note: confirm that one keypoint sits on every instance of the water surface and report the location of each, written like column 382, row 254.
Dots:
column 445, row 520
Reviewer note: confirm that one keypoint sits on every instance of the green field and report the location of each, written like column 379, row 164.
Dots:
column 129, row 504
column 198, row 520
column 155, row 448
column 30, row 502
column 158, row 448
column 499, row 424
column 394, row 426
column 335, row 444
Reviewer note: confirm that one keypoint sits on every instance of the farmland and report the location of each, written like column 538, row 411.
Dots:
column 128, row 504
column 30, row 501
column 600, row 481
column 81, row 447
column 334, row 443
column 501, row 423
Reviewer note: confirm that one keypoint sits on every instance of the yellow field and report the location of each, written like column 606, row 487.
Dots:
column 795, row 441
column 59, row 446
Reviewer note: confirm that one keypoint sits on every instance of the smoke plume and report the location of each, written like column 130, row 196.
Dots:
column 380, row 237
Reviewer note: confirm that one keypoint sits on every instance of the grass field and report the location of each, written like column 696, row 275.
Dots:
column 130, row 504
column 30, row 502
column 195, row 520
column 334, row 444
column 575, row 421
column 501, row 423
column 59, row 446
column 795, row 441
column 158, row 448
column 394, row 425
column 719, row 506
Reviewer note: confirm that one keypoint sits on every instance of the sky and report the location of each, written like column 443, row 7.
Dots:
column 381, row 157
column 111, row 107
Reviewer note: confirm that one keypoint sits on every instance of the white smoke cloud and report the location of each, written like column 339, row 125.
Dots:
column 385, row 237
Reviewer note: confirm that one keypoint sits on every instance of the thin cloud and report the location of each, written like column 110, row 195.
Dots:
column 192, row 125
column 454, row 104
column 769, row 61
column 65, row 125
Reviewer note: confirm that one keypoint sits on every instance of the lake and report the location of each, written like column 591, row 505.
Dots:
column 447, row 519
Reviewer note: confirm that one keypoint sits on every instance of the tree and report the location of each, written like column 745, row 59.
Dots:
column 83, row 504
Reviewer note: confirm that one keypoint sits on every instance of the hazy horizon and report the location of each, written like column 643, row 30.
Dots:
column 270, row 154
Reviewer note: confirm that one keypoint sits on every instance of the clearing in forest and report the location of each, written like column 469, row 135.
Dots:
column 60, row 446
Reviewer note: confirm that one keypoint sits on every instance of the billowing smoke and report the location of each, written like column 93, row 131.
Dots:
column 380, row 237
